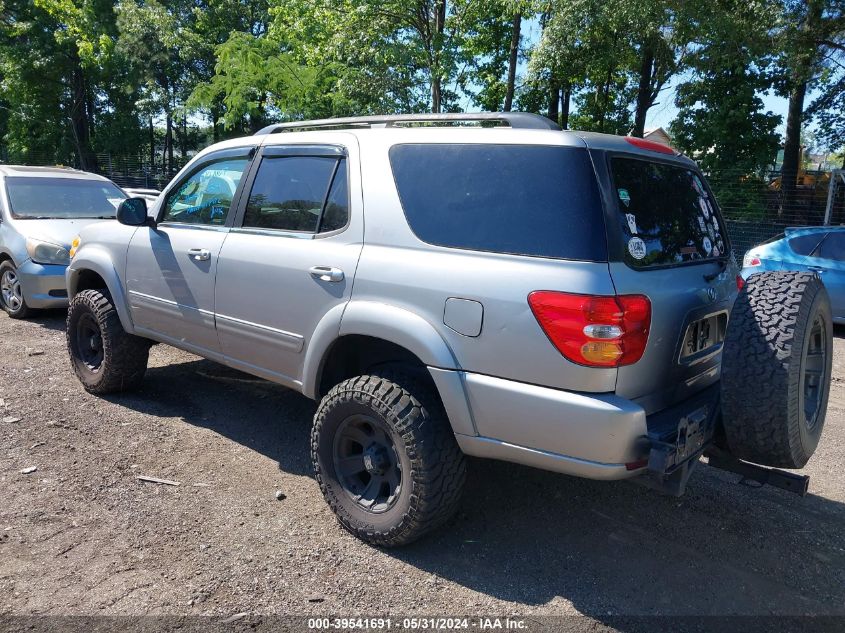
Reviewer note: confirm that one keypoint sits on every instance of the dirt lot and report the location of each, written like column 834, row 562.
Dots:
column 82, row 536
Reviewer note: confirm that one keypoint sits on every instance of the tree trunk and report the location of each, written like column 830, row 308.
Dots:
column 644, row 89
column 80, row 118
column 554, row 101
column 152, row 144
column 512, row 60
column 567, row 97
column 792, row 147
column 183, row 146
column 215, row 115
column 168, row 141
column 436, row 80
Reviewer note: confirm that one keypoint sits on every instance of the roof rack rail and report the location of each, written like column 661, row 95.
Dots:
column 518, row 120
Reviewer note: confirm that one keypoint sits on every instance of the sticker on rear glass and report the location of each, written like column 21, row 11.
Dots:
column 701, row 224
column 707, row 244
column 632, row 222
column 637, row 248
column 711, row 233
column 704, row 209
column 624, row 196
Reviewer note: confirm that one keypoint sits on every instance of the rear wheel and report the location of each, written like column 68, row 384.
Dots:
column 386, row 459
column 104, row 357
column 776, row 369
column 11, row 293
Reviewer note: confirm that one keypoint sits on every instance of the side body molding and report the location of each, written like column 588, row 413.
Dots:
column 90, row 257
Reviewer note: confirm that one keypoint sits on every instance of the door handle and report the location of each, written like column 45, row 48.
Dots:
column 326, row 273
column 200, row 254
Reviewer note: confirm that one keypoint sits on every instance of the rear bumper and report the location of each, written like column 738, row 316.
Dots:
column 43, row 285
column 596, row 436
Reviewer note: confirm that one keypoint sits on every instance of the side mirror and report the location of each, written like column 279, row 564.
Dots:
column 133, row 212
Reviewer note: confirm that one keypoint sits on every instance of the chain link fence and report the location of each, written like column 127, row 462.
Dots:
column 755, row 207
column 126, row 171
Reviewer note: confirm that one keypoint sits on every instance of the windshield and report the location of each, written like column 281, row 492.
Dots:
column 667, row 215
column 62, row 198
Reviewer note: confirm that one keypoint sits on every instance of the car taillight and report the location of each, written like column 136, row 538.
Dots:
column 598, row 331
column 750, row 261
column 740, row 283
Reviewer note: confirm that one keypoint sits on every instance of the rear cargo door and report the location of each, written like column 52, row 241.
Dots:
column 666, row 239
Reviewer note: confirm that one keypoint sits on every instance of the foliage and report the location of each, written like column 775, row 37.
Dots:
column 161, row 78
column 721, row 121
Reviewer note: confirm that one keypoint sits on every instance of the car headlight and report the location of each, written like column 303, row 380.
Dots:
column 74, row 246
column 47, row 253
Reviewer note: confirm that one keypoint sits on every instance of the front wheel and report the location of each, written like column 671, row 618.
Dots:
column 104, row 357
column 386, row 459
column 11, row 293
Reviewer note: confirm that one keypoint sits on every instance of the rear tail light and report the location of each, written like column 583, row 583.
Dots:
column 597, row 331
column 740, row 283
column 749, row 261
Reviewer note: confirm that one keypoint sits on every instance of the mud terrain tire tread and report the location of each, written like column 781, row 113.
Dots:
column 769, row 324
column 124, row 356
column 437, row 466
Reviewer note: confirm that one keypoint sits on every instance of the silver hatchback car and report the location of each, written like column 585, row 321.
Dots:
column 449, row 285
column 41, row 210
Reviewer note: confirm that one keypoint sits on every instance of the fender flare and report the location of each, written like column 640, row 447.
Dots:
column 378, row 320
column 98, row 261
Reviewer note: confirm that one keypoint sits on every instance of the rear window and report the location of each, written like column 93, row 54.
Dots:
column 55, row 198
column 667, row 215
column 534, row 200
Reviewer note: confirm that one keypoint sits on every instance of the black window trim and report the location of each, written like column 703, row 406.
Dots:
column 498, row 252
column 614, row 202
column 269, row 152
column 248, row 152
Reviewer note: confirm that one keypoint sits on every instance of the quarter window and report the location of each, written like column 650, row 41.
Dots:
column 206, row 196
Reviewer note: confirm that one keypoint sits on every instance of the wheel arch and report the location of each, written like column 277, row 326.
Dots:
column 351, row 339
column 93, row 269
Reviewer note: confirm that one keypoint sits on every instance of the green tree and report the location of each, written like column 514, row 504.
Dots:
column 813, row 43
column 721, row 121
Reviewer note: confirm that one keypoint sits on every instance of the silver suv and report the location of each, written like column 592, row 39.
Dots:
column 41, row 210
column 452, row 285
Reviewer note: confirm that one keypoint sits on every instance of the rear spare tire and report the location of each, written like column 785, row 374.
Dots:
column 776, row 368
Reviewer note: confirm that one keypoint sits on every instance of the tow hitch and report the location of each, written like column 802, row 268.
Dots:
column 674, row 454
column 785, row 480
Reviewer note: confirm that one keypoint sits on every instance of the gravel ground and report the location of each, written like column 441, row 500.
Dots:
column 81, row 535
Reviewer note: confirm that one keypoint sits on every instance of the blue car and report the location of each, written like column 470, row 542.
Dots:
column 820, row 249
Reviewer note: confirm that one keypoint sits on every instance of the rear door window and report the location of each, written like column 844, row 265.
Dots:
column 805, row 244
column 534, row 200
column 833, row 247
column 667, row 215
column 289, row 192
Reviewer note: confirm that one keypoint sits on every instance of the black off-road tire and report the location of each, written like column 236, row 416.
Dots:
column 778, row 317
column 123, row 357
column 432, row 466
column 23, row 311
